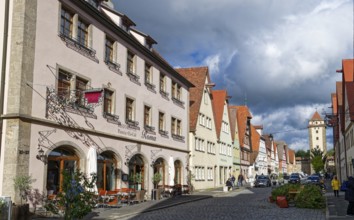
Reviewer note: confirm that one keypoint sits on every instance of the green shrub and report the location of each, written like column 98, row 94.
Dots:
column 310, row 197
column 284, row 190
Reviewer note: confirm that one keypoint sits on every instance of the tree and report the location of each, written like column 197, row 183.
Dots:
column 317, row 164
column 302, row 153
column 77, row 197
column 23, row 183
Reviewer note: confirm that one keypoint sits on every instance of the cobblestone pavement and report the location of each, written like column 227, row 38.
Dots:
column 239, row 204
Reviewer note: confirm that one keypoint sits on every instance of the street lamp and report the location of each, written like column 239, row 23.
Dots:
column 41, row 156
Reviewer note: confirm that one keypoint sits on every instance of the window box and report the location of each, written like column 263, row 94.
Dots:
column 133, row 77
column 177, row 101
column 149, row 128
column 150, row 86
column 164, row 94
column 111, row 117
column 178, row 137
column 163, row 133
column 73, row 43
column 113, row 66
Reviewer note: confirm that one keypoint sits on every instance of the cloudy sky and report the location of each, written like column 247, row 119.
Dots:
column 278, row 56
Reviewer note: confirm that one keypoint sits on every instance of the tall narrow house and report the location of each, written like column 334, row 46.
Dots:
column 203, row 140
column 224, row 164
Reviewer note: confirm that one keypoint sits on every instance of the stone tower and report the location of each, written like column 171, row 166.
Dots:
column 317, row 133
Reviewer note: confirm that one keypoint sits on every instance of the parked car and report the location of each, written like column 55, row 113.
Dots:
column 262, row 180
column 313, row 179
column 297, row 178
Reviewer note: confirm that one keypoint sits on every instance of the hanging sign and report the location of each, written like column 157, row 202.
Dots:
column 93, row 96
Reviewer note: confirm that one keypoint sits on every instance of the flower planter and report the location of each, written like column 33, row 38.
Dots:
column 20, row 212
column 282, row 202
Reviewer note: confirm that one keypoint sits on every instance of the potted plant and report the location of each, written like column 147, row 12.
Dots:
column 156, row 178
column 156, row 194
column 22, row 184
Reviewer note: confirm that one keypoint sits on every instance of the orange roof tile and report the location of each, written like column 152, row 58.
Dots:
column 350, row 99
column 348, row 70
column 219, row 98
column 233, row 118
column 316, row 117
column 291, row 156
column 256, row 139
column 242, row 114
column 197, row 76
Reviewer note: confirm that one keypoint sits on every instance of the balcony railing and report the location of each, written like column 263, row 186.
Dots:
column 74, row 44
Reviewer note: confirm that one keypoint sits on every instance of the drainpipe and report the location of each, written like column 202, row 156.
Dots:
column 3, row 67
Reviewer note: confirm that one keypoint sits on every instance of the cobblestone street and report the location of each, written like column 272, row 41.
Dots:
column 246, row 204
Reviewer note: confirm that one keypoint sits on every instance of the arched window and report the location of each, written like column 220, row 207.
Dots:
column 106, row 171
column 60, row 159
column 178, row 174
column 136, row 172
column 159, row 167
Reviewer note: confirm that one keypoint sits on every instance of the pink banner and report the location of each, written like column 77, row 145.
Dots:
column 93, row 96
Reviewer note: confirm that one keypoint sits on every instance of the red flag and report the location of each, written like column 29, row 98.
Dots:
column 93, row 96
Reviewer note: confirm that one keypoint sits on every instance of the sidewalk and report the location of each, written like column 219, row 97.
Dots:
column 151, row 205
column 336, row 206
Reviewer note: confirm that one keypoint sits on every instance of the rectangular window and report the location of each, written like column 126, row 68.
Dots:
column 162, row 83
column 148, row 73
column 82, row 33
column 129, row 110
column 66, row 23
column 173, row 125
column 108, row 102
column 81, row 86
column 147, row 115
column 64, row 85
column 176, row 91
column 109, row 49
column 131, row 63
column 161, row 121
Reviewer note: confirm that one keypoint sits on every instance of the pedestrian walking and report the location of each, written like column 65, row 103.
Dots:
column 229, row 184
column 233, row 180
column 335, row 186
column 349, row 196
column 240, row 179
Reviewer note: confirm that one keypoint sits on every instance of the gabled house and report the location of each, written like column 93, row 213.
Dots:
column 220, row 103
column 244, row 131
column 270, row 153
column 275, row 158
column 292, row 162
column 283, row 156
column 236, row 167
column 203, row 140
column 258, row 155
column 341, row 120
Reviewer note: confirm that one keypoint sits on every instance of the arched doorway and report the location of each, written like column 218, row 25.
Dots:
column 159, row 167
column 178, row 172
column 60, row 159
column 136, row 172
column 106, row 171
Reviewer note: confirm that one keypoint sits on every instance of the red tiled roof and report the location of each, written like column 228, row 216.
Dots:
column 316, row 117
column 197, row 76
column 350, row 99
column 233, row 118
column 291, row 156
column 348, row 70
column 242, row 114
column 219, row 98
column 256, row 139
